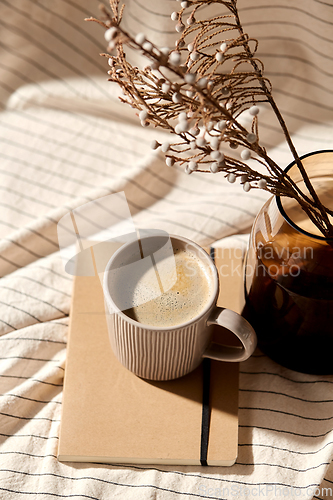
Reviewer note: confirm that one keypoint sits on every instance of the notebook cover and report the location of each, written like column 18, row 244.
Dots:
column 110, row 415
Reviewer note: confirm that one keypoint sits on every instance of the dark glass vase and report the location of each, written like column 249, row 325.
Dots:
column 289, row 277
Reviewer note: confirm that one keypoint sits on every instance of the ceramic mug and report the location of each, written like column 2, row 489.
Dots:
column 168, row 352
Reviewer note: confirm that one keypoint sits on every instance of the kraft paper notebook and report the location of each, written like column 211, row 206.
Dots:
column 110, row 415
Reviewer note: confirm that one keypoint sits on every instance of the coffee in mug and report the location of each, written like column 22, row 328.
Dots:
column 160, row 299
column 182, row 302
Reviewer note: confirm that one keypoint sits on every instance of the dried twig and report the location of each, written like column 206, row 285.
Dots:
column 199, row 91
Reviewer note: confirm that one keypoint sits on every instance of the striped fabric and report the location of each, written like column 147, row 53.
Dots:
column 66, row 140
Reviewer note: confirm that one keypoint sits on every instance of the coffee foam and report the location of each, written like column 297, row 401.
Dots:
column 182, row 302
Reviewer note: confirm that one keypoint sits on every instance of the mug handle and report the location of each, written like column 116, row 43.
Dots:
column 237, row 325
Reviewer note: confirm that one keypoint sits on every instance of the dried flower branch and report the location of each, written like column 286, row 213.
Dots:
column 199, row 92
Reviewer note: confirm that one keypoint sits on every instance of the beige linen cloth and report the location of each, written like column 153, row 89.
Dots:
column 66, row 140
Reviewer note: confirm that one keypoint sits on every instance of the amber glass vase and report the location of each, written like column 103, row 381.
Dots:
column 289, row 276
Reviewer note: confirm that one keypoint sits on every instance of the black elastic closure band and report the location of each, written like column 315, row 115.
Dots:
column 205, row 420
